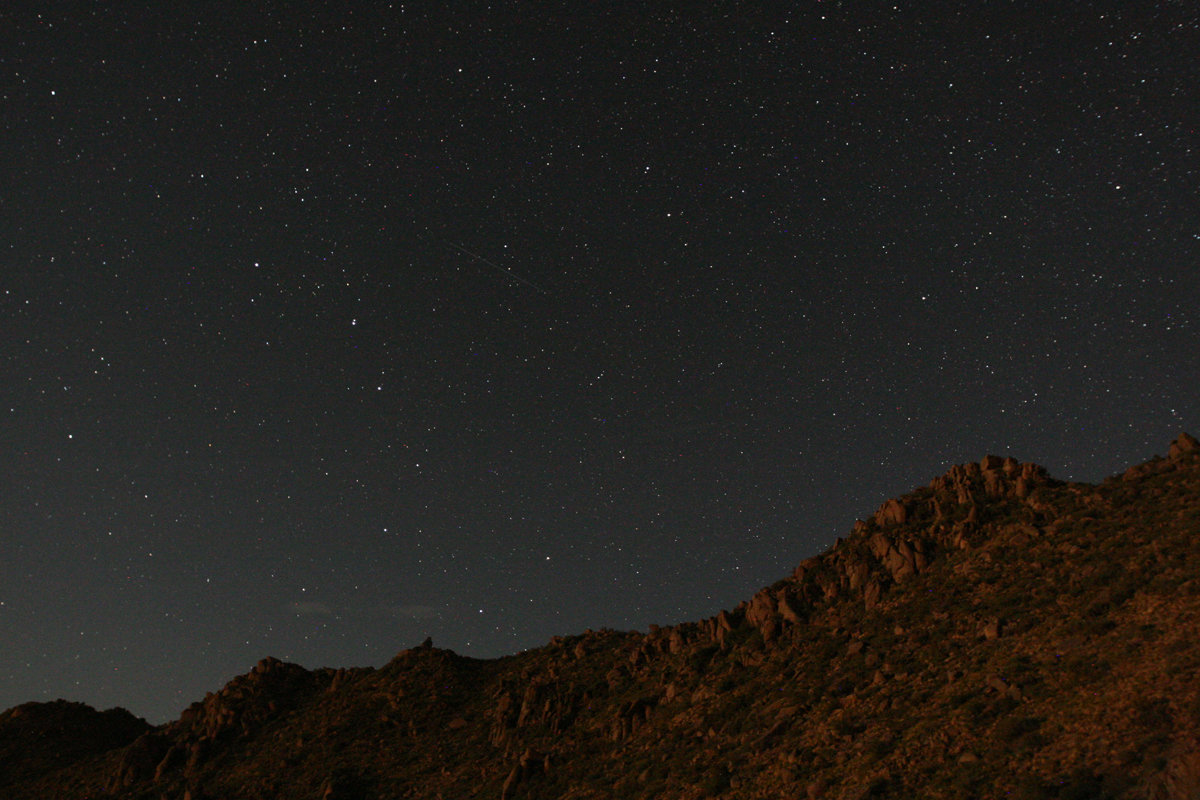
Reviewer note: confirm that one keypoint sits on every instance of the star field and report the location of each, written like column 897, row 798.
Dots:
column 327, row 329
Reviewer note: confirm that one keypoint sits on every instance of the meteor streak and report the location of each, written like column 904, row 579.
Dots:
column 508, row 272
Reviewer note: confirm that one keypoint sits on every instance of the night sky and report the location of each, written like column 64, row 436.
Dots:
column 324, row 330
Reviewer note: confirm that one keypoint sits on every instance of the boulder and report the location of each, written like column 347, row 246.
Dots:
column 528, row 704
column 997, row 683
column 857, row 573
column 872, row 594
column 770, row 630
column 892, row 512
column 1182, row 445
column 789, row 611
column 530, row 764
column 139, row 761
column 762, row 607
column 880, row 544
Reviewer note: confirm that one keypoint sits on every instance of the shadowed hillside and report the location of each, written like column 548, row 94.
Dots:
column 996, row 633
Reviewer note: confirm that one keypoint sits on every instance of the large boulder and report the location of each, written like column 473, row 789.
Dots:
column 1183, row 444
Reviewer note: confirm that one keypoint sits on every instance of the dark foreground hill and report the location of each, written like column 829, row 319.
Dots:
column 995, row 634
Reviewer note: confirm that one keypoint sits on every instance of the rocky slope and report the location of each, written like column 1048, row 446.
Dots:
column 996, row 633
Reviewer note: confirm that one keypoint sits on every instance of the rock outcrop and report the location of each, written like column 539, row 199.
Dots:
column 994, row 633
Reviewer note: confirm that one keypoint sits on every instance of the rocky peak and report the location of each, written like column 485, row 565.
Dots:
column 248, row 700
column 994, row 633
column 1183, row 445
column 39, row 738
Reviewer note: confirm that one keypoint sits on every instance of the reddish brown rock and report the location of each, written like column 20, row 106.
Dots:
column 762, row 607
column 891, row 513
column 789, row 611
column 857, row 574
column 860, row 699
column 1183, row 444
column 872, row 594
column 990, row 463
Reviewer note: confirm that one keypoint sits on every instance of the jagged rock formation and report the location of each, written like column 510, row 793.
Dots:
column 996, row 633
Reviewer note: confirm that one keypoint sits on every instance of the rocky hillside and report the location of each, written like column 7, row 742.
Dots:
column 996, row 633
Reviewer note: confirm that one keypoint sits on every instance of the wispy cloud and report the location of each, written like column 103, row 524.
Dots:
column 412, row 612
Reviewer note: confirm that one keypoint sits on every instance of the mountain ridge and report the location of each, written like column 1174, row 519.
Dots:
column 994, row 633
